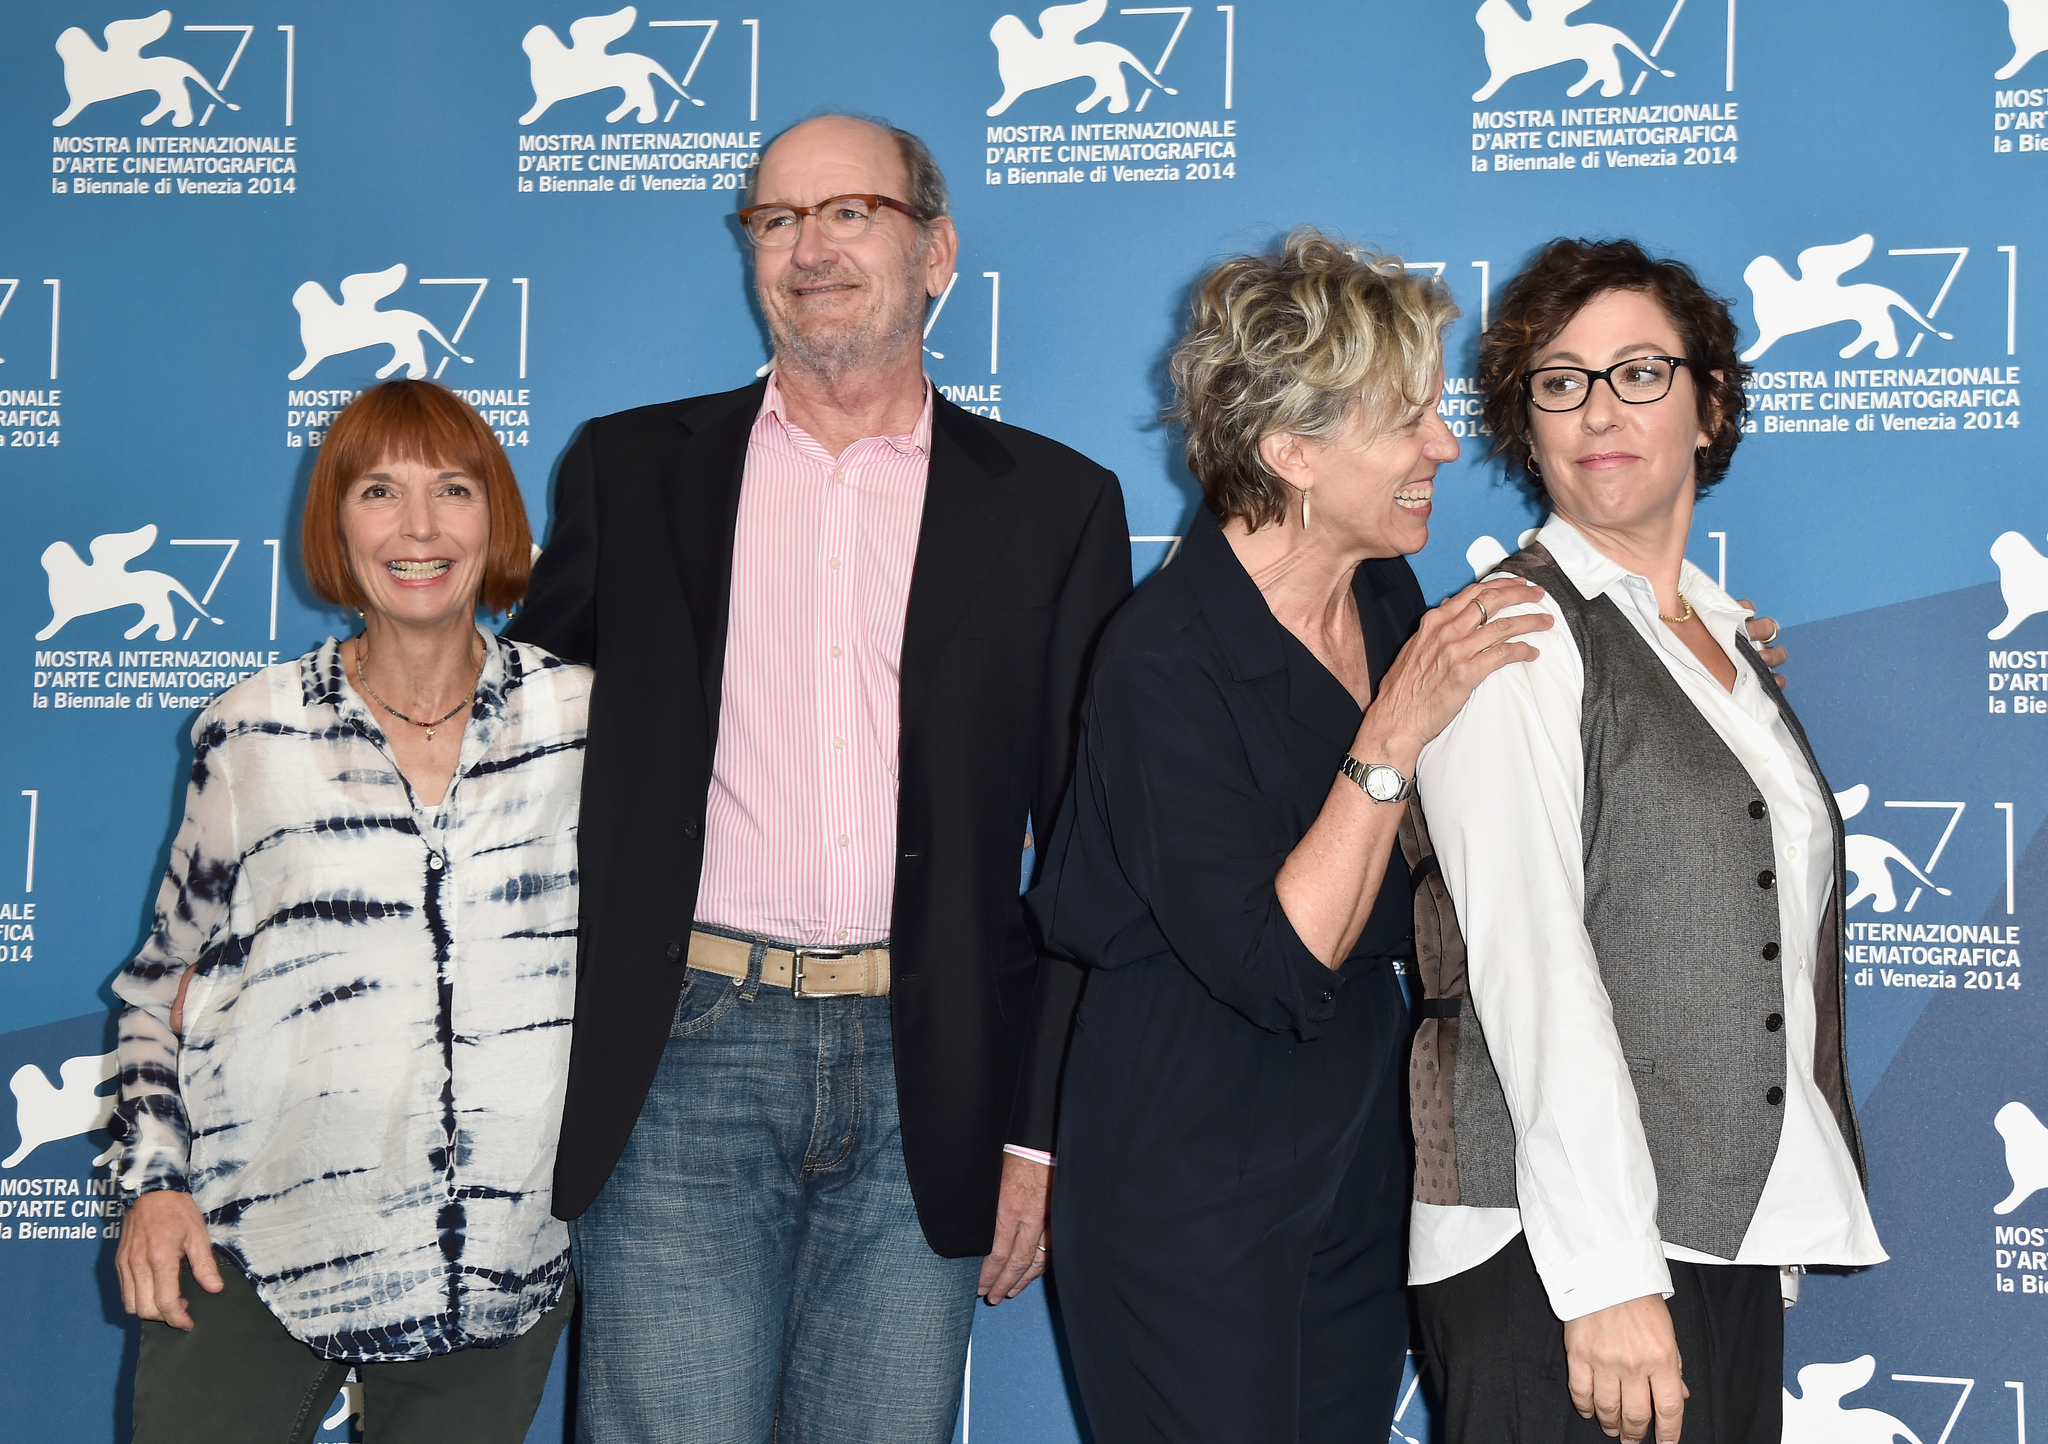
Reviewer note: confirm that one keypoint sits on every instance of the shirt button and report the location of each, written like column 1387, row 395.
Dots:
column 835, row 651
column 434, row 861
column 842, row 839
column 1766, row 878
column 840, row 935
column 1774, row 1096
column 1757, row 808
column 839, row 476
column 1791, row 852
column 832, row 562
column 1774, row 1022
column 839, row 743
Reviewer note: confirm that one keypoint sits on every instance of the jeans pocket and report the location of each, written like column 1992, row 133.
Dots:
column 706, row 996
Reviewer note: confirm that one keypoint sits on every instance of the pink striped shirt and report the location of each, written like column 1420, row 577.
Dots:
column 800, row 826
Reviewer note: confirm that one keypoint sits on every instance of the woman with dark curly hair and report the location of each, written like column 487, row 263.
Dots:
column 1632, row 1107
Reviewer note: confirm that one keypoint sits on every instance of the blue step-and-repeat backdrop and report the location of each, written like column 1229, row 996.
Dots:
column 220, row 221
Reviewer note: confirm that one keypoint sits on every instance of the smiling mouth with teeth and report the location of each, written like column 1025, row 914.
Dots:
column 418, row 571
column 1414, row 496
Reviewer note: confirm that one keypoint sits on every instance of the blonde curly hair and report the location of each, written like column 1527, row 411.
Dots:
column 1298, row 342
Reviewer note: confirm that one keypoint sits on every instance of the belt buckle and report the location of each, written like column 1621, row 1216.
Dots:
column 823, row 955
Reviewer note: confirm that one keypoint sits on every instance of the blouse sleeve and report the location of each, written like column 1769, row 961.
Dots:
column 1165, row 796
column 1503, row 789
column 191, row 919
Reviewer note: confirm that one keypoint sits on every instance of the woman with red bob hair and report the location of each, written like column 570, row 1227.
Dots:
column 343, row 1051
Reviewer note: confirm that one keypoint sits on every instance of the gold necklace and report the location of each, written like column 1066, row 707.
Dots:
column 1684, row 616
column 363, row 656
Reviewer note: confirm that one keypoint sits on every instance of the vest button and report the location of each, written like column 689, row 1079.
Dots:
column 1773, row 1023
column 1774, row 1096
column 675, row 952
column 1766, row 878
column 1770, row 952
column 1756, row 808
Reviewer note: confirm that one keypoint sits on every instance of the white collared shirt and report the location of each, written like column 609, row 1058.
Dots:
column 1504, row 789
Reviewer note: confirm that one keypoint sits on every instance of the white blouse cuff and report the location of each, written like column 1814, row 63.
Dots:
column 1614, row 1275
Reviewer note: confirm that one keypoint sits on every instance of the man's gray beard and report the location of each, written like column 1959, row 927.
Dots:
column 832, row 353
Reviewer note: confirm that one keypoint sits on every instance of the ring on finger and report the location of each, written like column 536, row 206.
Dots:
column 1773, row 637
column 1484, row 615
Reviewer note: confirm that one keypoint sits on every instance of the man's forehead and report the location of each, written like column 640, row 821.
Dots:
column 831, row 156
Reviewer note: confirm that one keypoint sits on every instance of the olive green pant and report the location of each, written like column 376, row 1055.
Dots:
column 239, row 1377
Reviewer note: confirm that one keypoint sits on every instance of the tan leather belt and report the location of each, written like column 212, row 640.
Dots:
column 806, row 972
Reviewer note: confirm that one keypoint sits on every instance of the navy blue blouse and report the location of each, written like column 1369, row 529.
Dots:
column 1209, row 740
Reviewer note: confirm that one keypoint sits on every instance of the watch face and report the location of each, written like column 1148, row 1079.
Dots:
column 1383, row 783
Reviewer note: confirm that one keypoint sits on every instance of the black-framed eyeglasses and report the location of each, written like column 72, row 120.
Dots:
column 774, row 227
column 1637, row 381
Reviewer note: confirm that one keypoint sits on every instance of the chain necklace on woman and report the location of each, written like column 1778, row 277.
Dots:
column 1684, row 613
column 363, row 656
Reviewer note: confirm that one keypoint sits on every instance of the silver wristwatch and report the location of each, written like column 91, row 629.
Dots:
column 1377, row 780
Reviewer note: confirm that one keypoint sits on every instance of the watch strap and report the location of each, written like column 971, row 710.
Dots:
column 1352, row 768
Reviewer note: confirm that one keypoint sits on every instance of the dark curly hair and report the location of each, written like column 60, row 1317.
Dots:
column 1539, row 303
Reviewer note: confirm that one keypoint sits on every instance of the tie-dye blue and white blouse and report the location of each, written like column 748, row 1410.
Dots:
column 365, row 1102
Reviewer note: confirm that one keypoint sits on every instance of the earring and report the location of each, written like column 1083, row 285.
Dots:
column 1304, row 511
column 1535, row 467
column 361, row 614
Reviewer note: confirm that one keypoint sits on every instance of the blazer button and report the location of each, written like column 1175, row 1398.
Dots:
column 1770, row 952
column 1329, row 995
column 1773, row 1023
column 1774, row 1096
column 1766, row 878
column 691, row 829
column 675, row 952
column 1756, row 808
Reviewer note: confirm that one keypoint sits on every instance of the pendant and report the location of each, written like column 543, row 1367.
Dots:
column 430, row 734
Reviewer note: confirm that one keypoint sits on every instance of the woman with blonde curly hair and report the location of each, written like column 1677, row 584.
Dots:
column 1233, row 1179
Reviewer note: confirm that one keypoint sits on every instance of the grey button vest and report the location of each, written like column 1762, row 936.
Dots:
column 1682, row 910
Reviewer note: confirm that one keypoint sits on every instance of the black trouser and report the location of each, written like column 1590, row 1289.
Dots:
column 1495, row 1354
column 1230, row 1221
column 239, row 1377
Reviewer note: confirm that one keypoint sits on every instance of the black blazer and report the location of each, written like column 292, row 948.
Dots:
column 1023, row 554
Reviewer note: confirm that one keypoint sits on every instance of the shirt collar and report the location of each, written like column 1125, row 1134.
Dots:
column 915, row 442
column 1244, row 625
column 1593, row 573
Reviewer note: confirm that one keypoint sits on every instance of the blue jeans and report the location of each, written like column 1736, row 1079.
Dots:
column 754, row 1268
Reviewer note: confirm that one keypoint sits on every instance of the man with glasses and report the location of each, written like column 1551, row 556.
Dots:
column 840, row 628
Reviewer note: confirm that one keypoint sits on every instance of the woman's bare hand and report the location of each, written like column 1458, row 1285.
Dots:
column 1623, row 1369
column 160, row 1232
column 1764, row 632
column 1459, row 644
